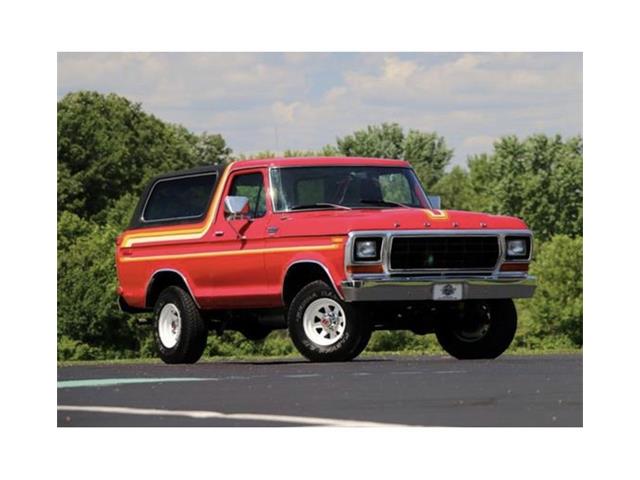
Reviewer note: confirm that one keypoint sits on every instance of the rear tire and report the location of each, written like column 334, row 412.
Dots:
column 324, row 328
column 179, row 330
column 480, row 330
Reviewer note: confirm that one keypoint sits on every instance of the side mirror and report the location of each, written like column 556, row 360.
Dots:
column 236, row 208
column 434, row 201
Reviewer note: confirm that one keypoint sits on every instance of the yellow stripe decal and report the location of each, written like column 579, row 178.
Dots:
column 227, row 253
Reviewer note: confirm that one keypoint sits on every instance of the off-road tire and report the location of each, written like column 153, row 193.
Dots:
column 499, row 335
column 193, row 331
column 353, row 340
column 364, row 340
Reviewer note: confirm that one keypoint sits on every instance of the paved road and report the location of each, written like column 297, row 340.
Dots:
column 429, row 391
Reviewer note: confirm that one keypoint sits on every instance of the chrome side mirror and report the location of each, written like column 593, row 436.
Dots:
column 434, row 201
column 236, row 208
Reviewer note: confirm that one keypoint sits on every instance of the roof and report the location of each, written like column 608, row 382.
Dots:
column 318, row 161
column 185, row 173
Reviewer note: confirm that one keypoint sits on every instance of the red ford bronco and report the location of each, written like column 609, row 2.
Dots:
column 329, row 248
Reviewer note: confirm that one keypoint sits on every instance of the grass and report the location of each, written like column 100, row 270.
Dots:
column 257, row 358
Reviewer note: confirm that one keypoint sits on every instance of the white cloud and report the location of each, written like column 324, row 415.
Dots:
column 284, row 113
column 470, row 79
column 311, row 99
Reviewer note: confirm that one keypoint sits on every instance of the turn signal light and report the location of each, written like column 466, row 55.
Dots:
column 514, row 267
column 377, row 268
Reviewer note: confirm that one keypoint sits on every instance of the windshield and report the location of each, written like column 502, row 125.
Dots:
column 297, row 188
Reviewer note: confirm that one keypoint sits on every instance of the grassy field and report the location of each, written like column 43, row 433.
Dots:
column 291, row 356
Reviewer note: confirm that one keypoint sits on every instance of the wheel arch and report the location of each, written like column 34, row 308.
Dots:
column 161, row 279
column 302, row 272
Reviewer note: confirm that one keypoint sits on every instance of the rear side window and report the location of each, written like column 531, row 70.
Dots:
column 179, row 198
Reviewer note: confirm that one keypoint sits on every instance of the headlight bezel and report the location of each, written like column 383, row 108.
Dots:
column 358, row 259
column 510, row 255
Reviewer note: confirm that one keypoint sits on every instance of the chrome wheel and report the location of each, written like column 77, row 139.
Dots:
column 324, row 321
column 169, row 325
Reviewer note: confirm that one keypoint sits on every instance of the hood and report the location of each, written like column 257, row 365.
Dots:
column 341, row 222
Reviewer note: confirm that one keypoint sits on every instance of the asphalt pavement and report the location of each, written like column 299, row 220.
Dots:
column 397, row 390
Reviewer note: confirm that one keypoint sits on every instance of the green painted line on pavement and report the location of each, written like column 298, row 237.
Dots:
column 107, row 382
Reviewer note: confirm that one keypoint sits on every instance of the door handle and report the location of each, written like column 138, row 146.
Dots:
column 218, row 233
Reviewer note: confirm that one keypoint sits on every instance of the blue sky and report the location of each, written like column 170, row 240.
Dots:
column 278, row 101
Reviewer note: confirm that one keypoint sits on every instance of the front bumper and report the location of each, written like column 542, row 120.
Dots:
column 380, row 289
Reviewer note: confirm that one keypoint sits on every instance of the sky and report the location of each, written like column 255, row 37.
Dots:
column 303, row 101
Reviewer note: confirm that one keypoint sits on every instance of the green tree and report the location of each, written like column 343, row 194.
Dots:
column 538, row 179
column 384, row 141
column 70, row 228
column 455, row 190
column 427, row 152
column 556, row 308
column 429, row 155
column 211, row 149
column 107, row 147
column 87, row 310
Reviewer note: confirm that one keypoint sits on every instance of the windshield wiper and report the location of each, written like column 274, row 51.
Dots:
column 319, row 205
column 385, row 203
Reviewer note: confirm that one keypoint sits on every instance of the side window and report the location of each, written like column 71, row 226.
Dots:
column 395, row 188
column 179, row 198
column 251, row 185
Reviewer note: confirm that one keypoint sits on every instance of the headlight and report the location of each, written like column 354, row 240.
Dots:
column 518, row 248
column 367, row 249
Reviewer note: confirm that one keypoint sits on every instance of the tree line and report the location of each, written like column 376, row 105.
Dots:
column 109, row 148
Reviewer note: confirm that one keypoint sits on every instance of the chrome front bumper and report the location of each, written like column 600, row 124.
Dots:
column 379, row 289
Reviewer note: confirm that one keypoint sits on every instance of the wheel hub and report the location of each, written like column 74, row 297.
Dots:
column 169, row 325
column 475, row 325
column 324, row 321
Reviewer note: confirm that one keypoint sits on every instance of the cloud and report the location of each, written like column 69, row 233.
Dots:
column 310, row 99
column 469, row 79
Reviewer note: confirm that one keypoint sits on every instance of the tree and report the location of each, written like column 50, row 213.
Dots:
column 456, row 190
column 556, row 308
column 538, row 179
column 211, row 149
column 427, row 152
column 87, row 310
column 429, row 155
column 384, row 141
column 107, row 147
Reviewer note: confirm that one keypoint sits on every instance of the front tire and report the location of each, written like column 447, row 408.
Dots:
column 324, row 328
column 479, row 329
column 179, row 330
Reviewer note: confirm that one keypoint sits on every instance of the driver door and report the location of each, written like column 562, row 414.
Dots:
column 238, row 271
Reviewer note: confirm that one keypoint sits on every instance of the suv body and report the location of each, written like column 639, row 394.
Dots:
column 330, row 248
